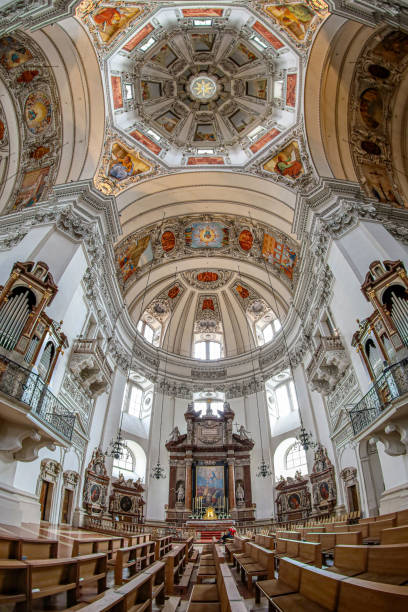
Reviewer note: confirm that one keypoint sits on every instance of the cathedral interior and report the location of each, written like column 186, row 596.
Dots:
column 203, row 305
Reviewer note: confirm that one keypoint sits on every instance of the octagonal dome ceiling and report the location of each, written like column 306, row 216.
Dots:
column 209, row 90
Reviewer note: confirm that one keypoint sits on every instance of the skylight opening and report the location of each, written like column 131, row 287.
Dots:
column 205, row 151
column 154, row 135
column 149, row 42
column 253, row 133
column 199, row 23
column 259, row 42
column 129, row 91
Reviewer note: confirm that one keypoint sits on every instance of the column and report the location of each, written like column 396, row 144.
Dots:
column 247, row 486
column 231, row 484
column 189, row 483
column 172, row 485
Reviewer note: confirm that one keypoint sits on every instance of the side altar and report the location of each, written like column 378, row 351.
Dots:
column 210, row 468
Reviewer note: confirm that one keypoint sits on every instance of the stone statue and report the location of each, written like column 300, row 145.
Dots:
column 240, row 493
column 174, row 435
column 180, row 493
column 121, row 479
column 243, row 433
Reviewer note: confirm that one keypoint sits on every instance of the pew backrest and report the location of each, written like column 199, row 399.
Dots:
column 351, row 557
column 38, row 549
column 395, row 535
column 374, row 529
column 388, row 559
column 375, row 596
column 320, row 586
column 289, row 572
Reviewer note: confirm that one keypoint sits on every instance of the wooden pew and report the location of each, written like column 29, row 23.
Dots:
column 10, row 548
column 318, row 591
column 162, row 547
column 52, row 576
column 14, row 584
column 288, row 535
column 260, row 564
column 309, row 553
column 265, row 541
column 374, row 530
column 88, row 546
column 287, row 582
column 134, row 559
column 137, row 593
column 236, row 546
column 374, row 596
column 395, row 535
column 388, row 564
column 402, row 518
column 37, row 548
column 90, row 569
column 175, row 562
column 349, row 560
column 158, row 573
column 109, row 601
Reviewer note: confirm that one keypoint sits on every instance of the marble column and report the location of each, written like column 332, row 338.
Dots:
column 231, row 484
column 172, row 486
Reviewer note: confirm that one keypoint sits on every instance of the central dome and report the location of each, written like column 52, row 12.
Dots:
column 203, row 87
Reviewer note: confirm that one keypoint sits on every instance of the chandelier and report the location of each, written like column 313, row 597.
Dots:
column 304, row 438
column 117, row 446
column 263, row 470
column 158, row 471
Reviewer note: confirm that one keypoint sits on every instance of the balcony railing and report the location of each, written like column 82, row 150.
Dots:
column 27, row 387
column 392, row 383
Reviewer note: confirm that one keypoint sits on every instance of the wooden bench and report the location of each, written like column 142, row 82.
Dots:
column 175, row 562
column 158, row 573
column 134, row 559
column 194, row 555
column 184, row 582
column 287, row 582
column 137, row 593
column 10, row 548
column 88, row 546
column 52, row 576
column 236, row 546
column 171, row 605
column 265, row 541
column 309, row 553
column 318, row 592
column 140, row 538
column 395, row 535
column 288, row 535
column 349, row 560
column 37, row 548
column 162, row 547
column 14, row 584
column 374, row 530
column 109, row 601
column 260, row 563
column 374, row 596
column 402, row 518
column 91, row 569
column 387, row 563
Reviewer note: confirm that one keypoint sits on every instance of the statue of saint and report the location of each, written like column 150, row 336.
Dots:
column 240, row 493
column 180, row 493
column 242, row 432
column 174, row 435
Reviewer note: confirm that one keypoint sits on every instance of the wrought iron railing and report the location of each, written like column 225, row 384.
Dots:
column 27, row 387
column 392, row 383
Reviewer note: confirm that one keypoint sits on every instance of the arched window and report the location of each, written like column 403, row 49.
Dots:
column 281, row 395
column 289, row 458
column 265, row 333
column 127, row 463
column 207, row 349
column 135, row 400
column 146, row 331
column 133, row 462
column 295, row 458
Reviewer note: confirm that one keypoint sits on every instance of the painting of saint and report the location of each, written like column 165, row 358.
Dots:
column 95, row 493
column 294, row 501
column 27, row 76
column 257, row 89
column 164, row 57
column 210, row 483
column 371, row 107
column 117, row 92
column 168, row 241
column 291, row 80
column 393, row 48
column 287, row 162
column 242, row 55
column 206, row 235
column 32, row 188
column 207, row 277
column 242, row 291
column 295, row 18
column 110, row 21
column 246, row 240
column 132, row 256
column 277, row 252
column 125, row 164
column 168, row 121
column 13, row 53
column 324, row 490
column 37, row 112
column 205, row 133
column 240, row 120
column 173, row 292
column 208, row 304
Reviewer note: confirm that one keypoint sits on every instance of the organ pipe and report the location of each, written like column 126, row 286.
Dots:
column 13, row 317
column 399, row 315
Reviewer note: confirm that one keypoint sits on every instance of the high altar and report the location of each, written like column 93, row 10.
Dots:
column 209, row 467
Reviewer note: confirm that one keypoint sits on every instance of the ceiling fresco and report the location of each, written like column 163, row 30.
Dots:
column 191, row 87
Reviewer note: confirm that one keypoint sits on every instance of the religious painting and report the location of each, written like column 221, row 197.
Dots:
column 208, row 304
column 206, row 235
column 110, row 21
column 371, row 107
column 295, row 18
column 152, row 146
column 13, row 53
column 117, row 92
column 39, row 152
column 138, row 252
column 242, row 291
column 259, row 144
column 164, row 57
column 37, row 112
column 150, row 90
column 267, row 34
column 279, row 253
column 207, row 161
column 246, row 240
column 95, row 493
column 293, row 501
column 125, row 503
column 379, row 183
column 257, row 88
column 141, row 35
column 242, row 55
column 207, row 277
column 27, row 76
column 173, row 292
column 324, row 490
column 210, row 483
column 31, row 188
column 203, row 12
column 287, row 162
column 168, row 241
column 2, row 130
column 291, row 81
column 125, row 163
column 205, row 132
column 202, row 42
column 393, row 48
column 168, row 121
column 241, row 119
